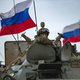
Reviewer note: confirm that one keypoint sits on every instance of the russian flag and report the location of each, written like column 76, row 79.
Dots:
column 17, row 19
column 71, row 33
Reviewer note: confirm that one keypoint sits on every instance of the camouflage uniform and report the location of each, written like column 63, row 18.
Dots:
column 42, row 36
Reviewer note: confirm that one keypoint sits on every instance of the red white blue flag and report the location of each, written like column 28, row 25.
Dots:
column 71, row 33
column 17, row 19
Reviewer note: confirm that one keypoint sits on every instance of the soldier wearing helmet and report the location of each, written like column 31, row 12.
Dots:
column 42, row 35
column 43, row 30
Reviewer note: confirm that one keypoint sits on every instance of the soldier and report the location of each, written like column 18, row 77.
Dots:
column 42, row 35
column 43, row 30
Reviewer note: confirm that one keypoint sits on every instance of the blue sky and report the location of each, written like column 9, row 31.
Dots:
column 55, row 13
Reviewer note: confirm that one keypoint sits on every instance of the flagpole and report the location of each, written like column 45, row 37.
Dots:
column 19, row 48
column 15, row 13
column 35, row 14
column 13, row 37
column 8, row 29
